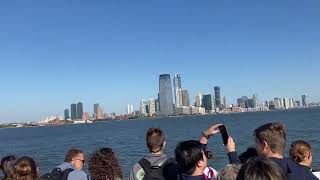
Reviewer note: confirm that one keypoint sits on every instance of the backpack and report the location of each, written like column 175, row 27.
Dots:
column 57, row 174
column 156, row 172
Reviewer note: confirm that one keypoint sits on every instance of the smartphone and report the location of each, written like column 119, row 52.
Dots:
column 224, row 134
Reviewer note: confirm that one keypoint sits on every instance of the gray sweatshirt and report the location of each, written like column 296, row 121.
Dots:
column 137, row 173
column 75, row 174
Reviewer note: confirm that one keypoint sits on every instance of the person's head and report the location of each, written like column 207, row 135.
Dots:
column 76, row 158
column 191, row 157
column 7, row 166
column 155, row 140
column 230, row 172
column 270, row 139
column 25, row 169
column 260, row 168
column 103, row 164
column 300, row 152
column 249, row 153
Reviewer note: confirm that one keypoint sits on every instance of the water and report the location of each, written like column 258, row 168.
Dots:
column 47, row 145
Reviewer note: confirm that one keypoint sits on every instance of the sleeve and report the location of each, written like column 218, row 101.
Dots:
column 233, row 158
column 77, row 175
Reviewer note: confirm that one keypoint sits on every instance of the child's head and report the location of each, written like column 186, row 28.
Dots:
column 300, row 152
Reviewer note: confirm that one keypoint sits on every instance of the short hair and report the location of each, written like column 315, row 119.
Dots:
column 274, row 134
column 249, row 153
column 25, row 168
column 7, row 166
column 155, row 139
column 299, row 151
column 72, row 153
column 103, row 164
column 188, row 154
column 229, row 172
column 260, row 168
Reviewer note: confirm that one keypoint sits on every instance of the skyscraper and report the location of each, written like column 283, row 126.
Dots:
column 165, row 95
column 95, row 109
column 129, row 108
column 152, row 107
column 217, row 97
column 198, row 100
column 225, row 102
column 185, row 98
column 304, row 101
column 73, row 111
column 66, row 114
column 177, row 86
column 79, row 110
column 207, row 102
column 256, row 101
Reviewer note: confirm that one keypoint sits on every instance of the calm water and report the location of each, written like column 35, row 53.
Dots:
column 47, row 145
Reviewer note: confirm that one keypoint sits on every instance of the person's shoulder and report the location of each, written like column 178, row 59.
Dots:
column 77, row 175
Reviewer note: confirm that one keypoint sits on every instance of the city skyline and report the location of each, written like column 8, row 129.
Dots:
column 113, row 53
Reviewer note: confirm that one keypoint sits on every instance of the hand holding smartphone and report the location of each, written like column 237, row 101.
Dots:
column 224, row 134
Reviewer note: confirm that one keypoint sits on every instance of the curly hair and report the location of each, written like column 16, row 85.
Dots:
column 7, row 166
column 299, row 151
column 25, row 169
column 104, row 165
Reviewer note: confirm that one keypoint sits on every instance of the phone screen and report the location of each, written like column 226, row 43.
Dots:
column 224, row 134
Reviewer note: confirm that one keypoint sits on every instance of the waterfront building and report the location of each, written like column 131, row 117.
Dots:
column 73, row 108
column 165, row 95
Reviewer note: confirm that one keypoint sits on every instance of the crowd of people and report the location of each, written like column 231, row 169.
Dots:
column 263, row 162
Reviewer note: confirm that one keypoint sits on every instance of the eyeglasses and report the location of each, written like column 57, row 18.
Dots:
column 209, row 155
column 82, row 160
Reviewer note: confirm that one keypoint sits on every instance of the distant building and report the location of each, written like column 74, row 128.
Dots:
column 297, row 103
column 225, row 104
column 242, row 102
column 130, row 109
column 185, row 98
column 255, row 101
column 66, row 114
column 73, row 108
column 95, row 110
column 217, row 97
column 144, row 110
column 207, row 102
column 151, row 108
column 198, row 100
column 277, row 103
column 304, row 101
column 177, row 87
column 85, row 116
column 165, row 95
column 291, row 103
column 79, row 110
column 286, row 103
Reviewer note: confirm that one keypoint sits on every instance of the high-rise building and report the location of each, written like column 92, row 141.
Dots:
column 79, row 110
column 185, row 98
column 217, row 97
column 304, row 101
column 277, row 103
column 130, row 109
column 198, row 100
column 225, row 104
column 66, row 114
column 151, row 107
column 207, row 102
column 255, row 100
column 73, row 111
column 242, row 102
column 286, row 104
column 297, row 103
column 95, row 109
column 177, row 86
column 165, row 95
column 291, row 103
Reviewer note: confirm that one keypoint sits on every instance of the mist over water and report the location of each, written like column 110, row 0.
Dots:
column 48, row 145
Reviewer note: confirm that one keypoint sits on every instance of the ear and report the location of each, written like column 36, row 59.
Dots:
column 201, row 163
column 265, row 146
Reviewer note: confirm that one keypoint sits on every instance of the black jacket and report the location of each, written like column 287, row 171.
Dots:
column 293, row 170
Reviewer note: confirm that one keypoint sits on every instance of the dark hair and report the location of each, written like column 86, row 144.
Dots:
column 104, row 165
column 7, row 166
column 260, row 168
column 249, row 153
column 155, row 139
column 25, row 169
column 299, row 151
column 274, row 134
column 72, row 153
column 188, row 154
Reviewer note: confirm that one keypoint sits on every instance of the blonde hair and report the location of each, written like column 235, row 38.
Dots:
column 299, row 151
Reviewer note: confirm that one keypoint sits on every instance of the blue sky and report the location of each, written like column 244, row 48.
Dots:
column 54, row 53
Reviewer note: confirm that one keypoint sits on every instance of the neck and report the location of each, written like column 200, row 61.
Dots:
column 275, row 155
column 304, row 164
column 157, row 153
column 197, row 172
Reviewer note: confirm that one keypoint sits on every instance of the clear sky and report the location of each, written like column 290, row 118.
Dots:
column 54, row 53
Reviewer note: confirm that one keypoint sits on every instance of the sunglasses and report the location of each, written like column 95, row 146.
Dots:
column 83, row 161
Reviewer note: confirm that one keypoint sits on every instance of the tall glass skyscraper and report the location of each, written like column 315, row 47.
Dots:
column 79, row 110
column 165, row 95
column 73, row 111
column 217, row 97
column 207, row 102
column 304, row 101
column 177, row 94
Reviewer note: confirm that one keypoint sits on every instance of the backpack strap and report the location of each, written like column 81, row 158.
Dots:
column 145, row 164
